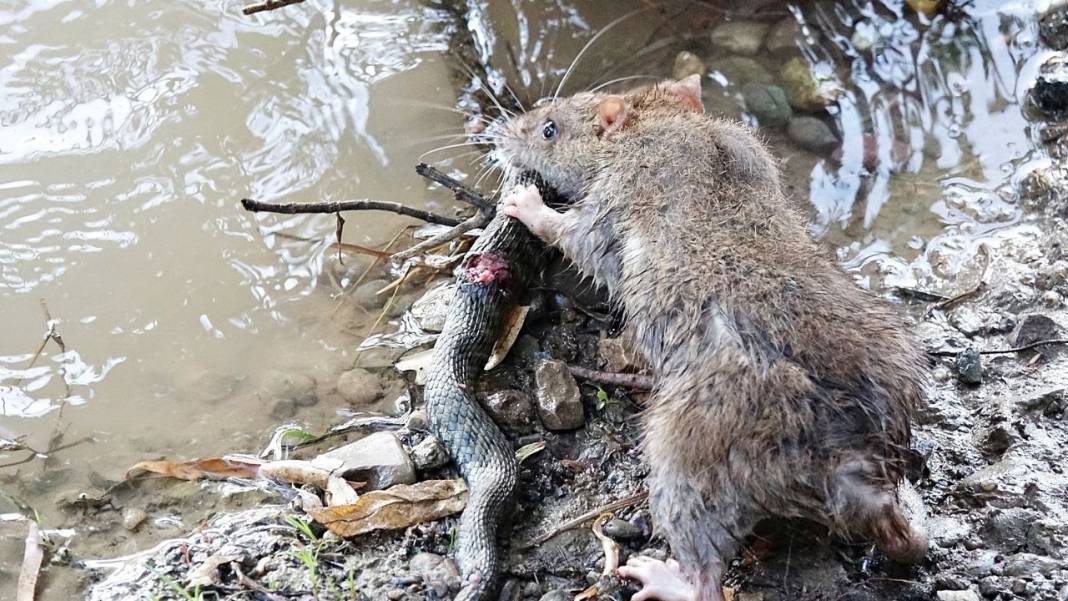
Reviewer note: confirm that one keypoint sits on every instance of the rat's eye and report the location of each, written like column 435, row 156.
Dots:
column 549, row 131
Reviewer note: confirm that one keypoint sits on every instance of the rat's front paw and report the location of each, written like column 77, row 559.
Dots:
column 660, row 580
column 525, row 204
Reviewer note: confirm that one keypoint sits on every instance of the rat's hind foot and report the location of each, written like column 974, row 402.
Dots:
column 660, row 580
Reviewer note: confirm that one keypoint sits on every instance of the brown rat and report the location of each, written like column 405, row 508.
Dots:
column 782, row 389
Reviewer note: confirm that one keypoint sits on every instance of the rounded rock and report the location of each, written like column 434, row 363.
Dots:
column 767, row 103
column 132, row 517
column 359, row 386
column 806, row 90
column 812, row 134
column 511, row 408
column 687, row 64
column 740, row 37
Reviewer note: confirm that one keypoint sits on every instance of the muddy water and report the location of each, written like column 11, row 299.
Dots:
column 128, row 134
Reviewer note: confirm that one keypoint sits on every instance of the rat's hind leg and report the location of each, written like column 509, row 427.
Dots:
column 869, row 508
column 698, row 509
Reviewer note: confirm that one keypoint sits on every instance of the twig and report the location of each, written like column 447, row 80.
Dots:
column 1016, row 349
column 292, row 208
column 461, row 191
column 252, row 9
column 252, row 584
column 949, row 302
column 635, row 381
column 589, row 515
column 31, row 565
column 478, row 220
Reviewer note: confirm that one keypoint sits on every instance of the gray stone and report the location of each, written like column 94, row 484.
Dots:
column 616, row 354
column 288, row 385
column 1034, row 328
column 557, row 595
column 429, row 454
column 968, row 366
column 284, row 409
column 784, row 36
column 623, row 530
column 740, row 70
column 1054, row 27
column 378, row 459
column 430, row 310
column 359, row 386
column 511, row 409
column 687, row 64
column 966, row 595
column 366, row 294
column 1049, row 95
column 768, row 104
column 812, row 134
column 740, row 37
column 1029, row 564
column 433, row 568
column 559, row 400
column 417, row 420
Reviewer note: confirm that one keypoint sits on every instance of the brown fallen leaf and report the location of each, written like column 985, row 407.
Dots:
column 215, row 467
column 207, row 573
column 31, row 564
column 396, row 507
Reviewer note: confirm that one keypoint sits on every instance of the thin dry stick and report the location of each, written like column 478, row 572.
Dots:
column 252, row 9
column 31, row 565
column 635, row 381
column 1015, row 349
column 292, row 208
column 949, row 302
column 476, row 221
column 461, row 191
column 589, row 515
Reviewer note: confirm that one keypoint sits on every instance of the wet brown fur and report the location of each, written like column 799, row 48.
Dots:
column 781, row 387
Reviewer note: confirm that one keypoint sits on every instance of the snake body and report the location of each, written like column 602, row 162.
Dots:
column 491, row 275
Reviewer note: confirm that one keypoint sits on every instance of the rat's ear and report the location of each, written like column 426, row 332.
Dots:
column 612, row 113
column 688, row 92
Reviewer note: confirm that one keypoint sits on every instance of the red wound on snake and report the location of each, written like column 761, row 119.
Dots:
column 488, row 268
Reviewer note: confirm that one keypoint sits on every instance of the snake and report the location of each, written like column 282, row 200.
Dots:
column 490, row 279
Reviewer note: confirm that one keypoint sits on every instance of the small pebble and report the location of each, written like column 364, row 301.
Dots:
column 740, row 37
column 132, row 518
column 623, row 530
column 687, row 64
column 969, row 367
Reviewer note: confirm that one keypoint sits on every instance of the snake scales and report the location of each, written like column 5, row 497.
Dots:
column 493, row 273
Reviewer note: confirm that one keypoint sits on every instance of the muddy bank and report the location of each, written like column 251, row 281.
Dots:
column 989, row 469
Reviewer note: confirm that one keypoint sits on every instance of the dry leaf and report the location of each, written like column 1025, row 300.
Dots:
column 396, row 507
column 31, row 564
column 296, row 471
column 419, row 363
column 207, row 573
column 513, row 323
column 215, row 467
column 528, row 450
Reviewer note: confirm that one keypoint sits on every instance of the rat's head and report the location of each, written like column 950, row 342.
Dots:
column 566, row 140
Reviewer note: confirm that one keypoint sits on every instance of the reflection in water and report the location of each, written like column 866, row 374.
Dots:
column 127, row 134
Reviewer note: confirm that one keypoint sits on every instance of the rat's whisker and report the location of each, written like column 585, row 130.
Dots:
column 571, row 68
column 448, row 147
column 621, row 79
